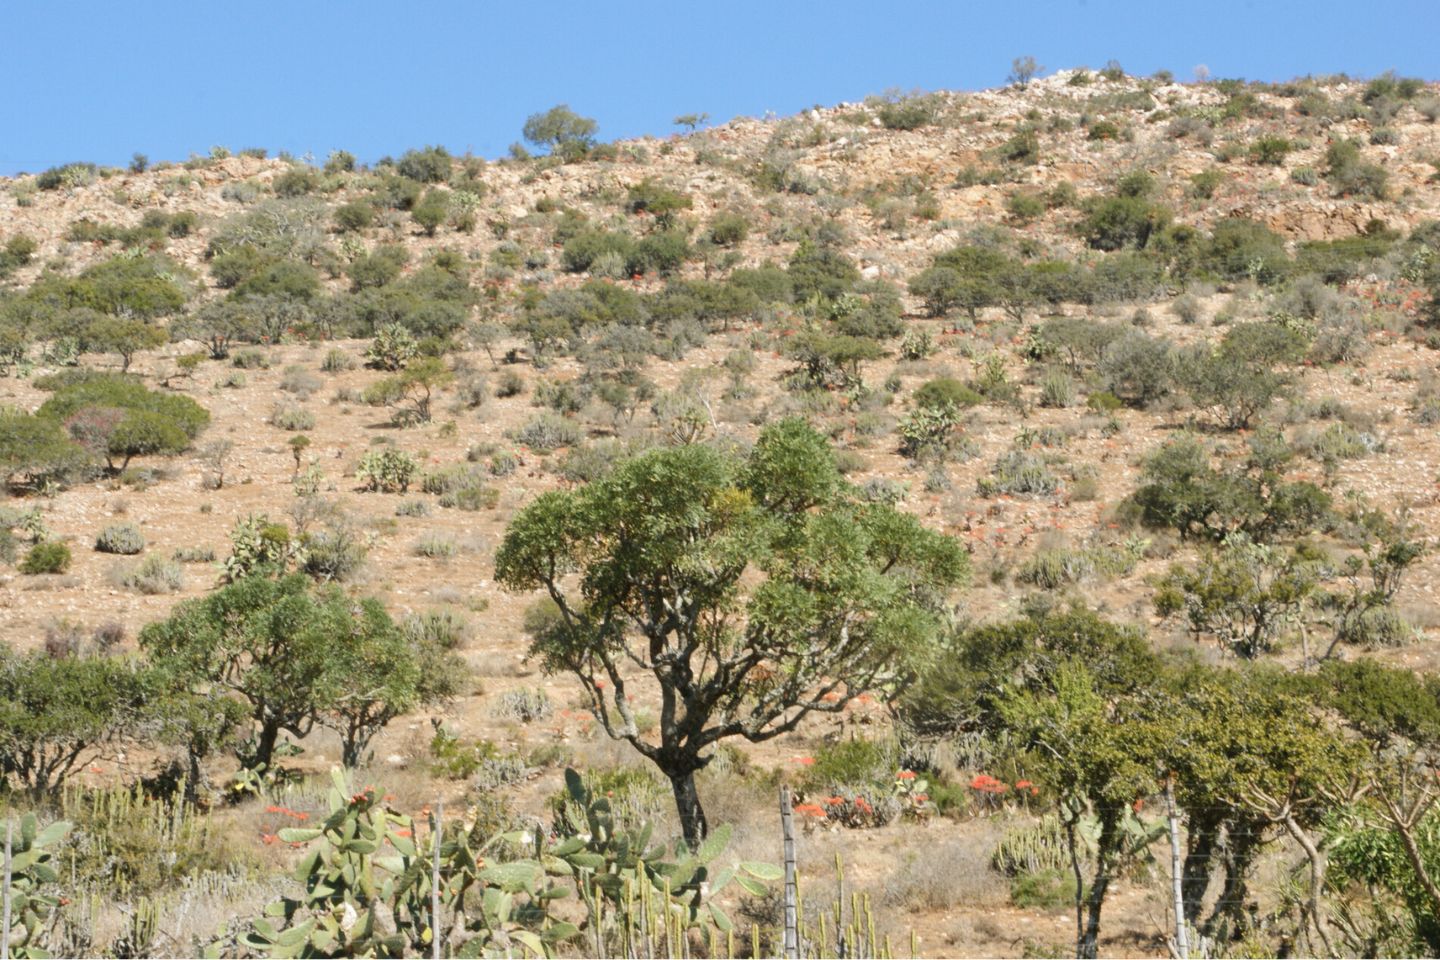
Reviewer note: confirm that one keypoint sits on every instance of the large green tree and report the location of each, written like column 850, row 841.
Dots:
column 1073, row 697
column 742, row 594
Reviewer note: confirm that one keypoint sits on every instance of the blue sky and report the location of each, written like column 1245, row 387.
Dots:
column 92, row 80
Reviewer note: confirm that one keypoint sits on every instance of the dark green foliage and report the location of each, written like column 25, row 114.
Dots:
column 67, row 176
column 1116, row 222
column 297, row 655
column 354, row 216
column 651, row 197
column 562, row 131
column 729, row 229
column 1349, row 173
column 827, row 360
column 430, row 165
column 1349, row 258
column 36, row 450
column 379, row 267
column 1237, row 380
column 1137, row 368
column 431, row 211
column 340, row 161
column 908, row 112
column 118, row 418
column 142, row 287
column 296, row 182
column 692, row 520
column 1270, row 151
column 56, row 713
column 943, row 391
column 1181, row 489
column 280, row 278
column 1240, row 249
column 16, row 253
column 820, row 271
column 47, row 556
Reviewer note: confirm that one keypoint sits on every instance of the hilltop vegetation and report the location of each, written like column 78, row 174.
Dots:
column 991, row 470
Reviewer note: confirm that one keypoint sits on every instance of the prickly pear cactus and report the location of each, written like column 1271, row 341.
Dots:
column 33, row 901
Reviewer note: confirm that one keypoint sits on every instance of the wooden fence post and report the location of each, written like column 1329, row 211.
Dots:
column 5, row 895
column 792, row 922
column 1182, row 934
column 437, row 834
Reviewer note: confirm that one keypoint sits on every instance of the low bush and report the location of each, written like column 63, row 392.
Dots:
column 290, row 417
column 120, row 538
column 49, row 556
column 1019, row 473
column 153, row 575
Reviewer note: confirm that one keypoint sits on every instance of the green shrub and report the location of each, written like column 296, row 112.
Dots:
column 67, row 176
column 1270, row 151
column 909, row 112
column 122, row 538
column 853, row 762
column 431, row 211
column 251, row 360
column 296, row 182
column 393, row 347
column 1244, row 249
column 118, row 418
column 17, row 252
column 1137, row 368
column 354, row 216
column 1025, row 205
column 1113, row 223
column 1057, row 389
column 378, row 268
column 564, row 132
column 509, row 384
column 430, row 165
column 1044, row 890
column 1103, row 130
column 1350, row 175
column 651, row 197
column 49, row 556
column 946, row 391
column 729, row 229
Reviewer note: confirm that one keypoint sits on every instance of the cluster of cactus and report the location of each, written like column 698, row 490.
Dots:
column 916, row 345
column 256, row 543
column 370, row 887
column 387, row 471
column 636, row 900
column 393, row 347
column 29, row 525
column 31, row 909
column 929, row 432
column 1032, row 848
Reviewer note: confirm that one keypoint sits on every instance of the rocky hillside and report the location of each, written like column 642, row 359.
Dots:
column 1165, row 351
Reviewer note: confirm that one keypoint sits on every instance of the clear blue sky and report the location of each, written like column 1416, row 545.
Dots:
column 99, row 79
